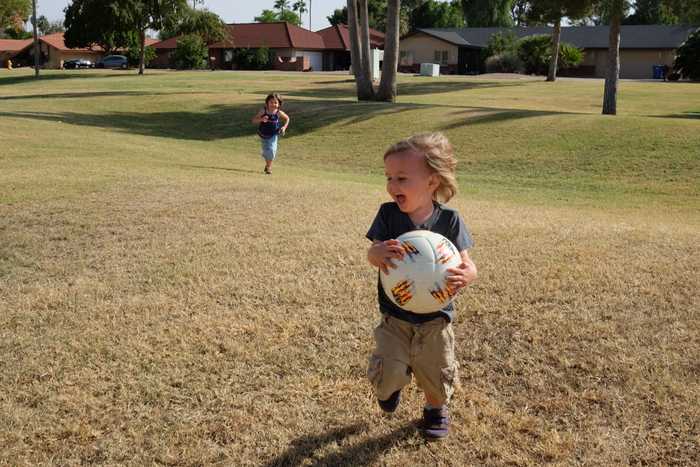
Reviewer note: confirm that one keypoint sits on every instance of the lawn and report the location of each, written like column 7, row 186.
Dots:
column 162, row 302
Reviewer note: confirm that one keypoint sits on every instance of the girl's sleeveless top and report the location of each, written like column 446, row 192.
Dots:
column 271, row 127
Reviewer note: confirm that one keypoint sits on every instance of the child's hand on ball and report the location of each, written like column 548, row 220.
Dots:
column 461, row 276
column 381, row 253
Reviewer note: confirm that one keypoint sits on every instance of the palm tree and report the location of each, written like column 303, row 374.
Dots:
column 359, row 48
column 281, row 5
column 300, row 7
column 387, row 85
column 616, row 10
column 36, row 41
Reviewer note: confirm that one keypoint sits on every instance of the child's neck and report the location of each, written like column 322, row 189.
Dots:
column 419, row 216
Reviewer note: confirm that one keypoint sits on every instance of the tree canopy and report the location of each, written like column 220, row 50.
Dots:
column 13, row 13
column 203, row 23
column 284, row 13
column 487, row 13
column 434, row 14
column 49, row 27
column 115, row 23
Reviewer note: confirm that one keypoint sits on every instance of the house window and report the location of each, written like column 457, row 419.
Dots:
column 406, row 57
column 441, row 57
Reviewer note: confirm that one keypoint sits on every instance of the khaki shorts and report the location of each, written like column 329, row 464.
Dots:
column 424, row 350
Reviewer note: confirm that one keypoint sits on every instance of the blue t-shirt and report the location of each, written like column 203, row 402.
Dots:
column 390, row 222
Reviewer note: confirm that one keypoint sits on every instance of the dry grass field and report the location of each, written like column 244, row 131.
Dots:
column 162, row 302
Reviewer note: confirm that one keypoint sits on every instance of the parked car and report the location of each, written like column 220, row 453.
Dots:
column 78, row 63
column 113, row 61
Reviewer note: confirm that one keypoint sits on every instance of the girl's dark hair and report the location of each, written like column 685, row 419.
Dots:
column 274, row 95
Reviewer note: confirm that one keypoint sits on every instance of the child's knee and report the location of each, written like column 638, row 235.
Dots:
column 439, row 383
column 387, row 375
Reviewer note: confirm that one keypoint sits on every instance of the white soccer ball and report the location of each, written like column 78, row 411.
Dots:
column 419, row 284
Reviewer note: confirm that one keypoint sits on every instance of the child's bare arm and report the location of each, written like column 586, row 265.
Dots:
column 381, row 253
column 286, row 119
column 462, row 275
column 259, row 117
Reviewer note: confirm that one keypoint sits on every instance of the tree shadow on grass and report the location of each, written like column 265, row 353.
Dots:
column 302, row 450
column 403, row 89
column 227, row 169
column 9, row 80
column 482, row 115
column 690, row 115
column 222, row 121
column 79, row 95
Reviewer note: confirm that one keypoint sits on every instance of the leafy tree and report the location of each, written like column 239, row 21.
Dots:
column 95, row 22
column 204, row 23
column 48, row 27
column 651, row 12
column 253, row 59
column 14, row 13
column 506, row 62
column 141, row 15
column 553, row 12
column 535, row 54
column 269, row 16
column 434, row 14
column 687, row 11
column 687, row 61
column 501, row 42
column 113, row 23
column 190, row 53
column 376, row 15
column 339, row 16
column 487, row 13
column 133, row 53
column 12, row 33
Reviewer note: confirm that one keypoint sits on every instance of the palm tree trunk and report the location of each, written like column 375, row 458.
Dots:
column 142, row 52
column 387, row 87
column 613, row 73
column 553, row 63
column 363, row 16
column 37, row 51
column 363, row 81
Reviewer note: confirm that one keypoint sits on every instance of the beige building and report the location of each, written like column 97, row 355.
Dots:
column 54, row 53
column 459, row 50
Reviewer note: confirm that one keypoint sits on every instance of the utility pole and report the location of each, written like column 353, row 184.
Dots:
column 310, row 15
column 36, row 41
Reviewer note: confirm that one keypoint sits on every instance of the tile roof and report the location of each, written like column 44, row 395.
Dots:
column 14, row 45
column 282, row 35
column 278, row 35
column 55, row 40
column 338, row 37
column 585, row 37
column 167, row 43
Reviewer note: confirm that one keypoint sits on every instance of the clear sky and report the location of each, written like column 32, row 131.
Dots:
column 231, row 11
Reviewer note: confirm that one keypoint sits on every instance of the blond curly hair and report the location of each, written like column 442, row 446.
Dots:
column 439, row 157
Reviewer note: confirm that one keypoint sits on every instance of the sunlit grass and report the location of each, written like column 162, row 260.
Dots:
column 164, row 302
